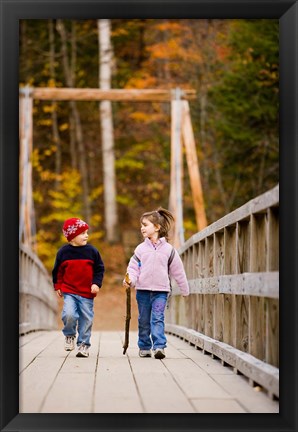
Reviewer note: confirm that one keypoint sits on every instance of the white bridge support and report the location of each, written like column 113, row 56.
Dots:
column 37, row 300
column 233, row 309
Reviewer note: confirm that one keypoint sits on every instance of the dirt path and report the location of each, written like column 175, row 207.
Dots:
column 110, row 308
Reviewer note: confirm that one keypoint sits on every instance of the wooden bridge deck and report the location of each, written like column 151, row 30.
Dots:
column 186, row 381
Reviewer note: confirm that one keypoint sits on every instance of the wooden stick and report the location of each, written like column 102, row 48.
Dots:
column 128, row 314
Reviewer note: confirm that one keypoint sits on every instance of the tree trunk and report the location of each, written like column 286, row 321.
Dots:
column 69, row 75
column 72, row 142
column 55, row 129
column 107, row 133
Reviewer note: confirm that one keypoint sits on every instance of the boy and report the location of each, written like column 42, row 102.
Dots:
column 77, row 277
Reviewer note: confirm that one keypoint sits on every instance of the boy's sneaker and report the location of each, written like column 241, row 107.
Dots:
column 159, row 353
column 69, row 343
column 83, row 351
column 145, row 353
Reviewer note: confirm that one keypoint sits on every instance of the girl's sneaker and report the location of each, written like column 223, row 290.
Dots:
column 145, row 353
column 159, row 353
column 69, row 343
column 83, row 351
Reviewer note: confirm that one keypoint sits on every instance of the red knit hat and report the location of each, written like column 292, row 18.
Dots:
column 73, row 227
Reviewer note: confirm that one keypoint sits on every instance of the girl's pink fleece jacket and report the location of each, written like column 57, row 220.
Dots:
column 151, row 273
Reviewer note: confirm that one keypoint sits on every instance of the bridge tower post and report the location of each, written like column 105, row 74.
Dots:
column 27, row 219
column 175, row 199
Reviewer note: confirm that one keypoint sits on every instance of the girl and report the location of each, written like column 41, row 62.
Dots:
column 149, row 269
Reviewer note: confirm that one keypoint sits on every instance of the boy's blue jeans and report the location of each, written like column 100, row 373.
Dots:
column 77, row 314
column 151, row 305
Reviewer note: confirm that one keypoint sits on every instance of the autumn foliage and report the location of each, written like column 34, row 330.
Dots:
column 232, row 65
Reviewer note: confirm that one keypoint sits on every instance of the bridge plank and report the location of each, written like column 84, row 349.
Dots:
column 256, row 327
column 251, row 399
column 72, row 389
column 111, row 343
column 158, row 389
column 263, row 284
column 72, row 395
column 194, row 381
column 41, row 359
column 35, row 383
column 224, row 406
column 26, row 338
column 186, row 381
column 28, row 351
column 254, row 369
column 272, row 331
column 273, row 239
column 115, row 388
column 207, row 363
column 242, row 322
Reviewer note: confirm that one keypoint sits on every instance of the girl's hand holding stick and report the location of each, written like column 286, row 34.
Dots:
column 127, row 284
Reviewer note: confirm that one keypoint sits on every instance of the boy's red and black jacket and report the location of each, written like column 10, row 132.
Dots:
column 77, row 268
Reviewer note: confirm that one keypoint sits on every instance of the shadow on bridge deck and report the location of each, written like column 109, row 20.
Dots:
column 186, row 381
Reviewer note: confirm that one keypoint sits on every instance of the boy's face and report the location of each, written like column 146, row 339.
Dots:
column 80, row 239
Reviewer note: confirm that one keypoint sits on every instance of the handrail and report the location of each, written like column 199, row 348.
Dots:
column 38, row 303
column 233, row 308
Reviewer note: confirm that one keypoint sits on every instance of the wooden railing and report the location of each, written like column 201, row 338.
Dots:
column 233, row 309
column 37, row 299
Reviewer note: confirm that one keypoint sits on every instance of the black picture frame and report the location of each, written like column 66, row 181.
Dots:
column 11, row 12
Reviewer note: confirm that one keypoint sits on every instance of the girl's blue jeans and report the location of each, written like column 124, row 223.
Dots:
column 151, row 321
column 77, row 315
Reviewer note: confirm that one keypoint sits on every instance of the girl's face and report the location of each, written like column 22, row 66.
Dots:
column 80, row 239
column 149, row 230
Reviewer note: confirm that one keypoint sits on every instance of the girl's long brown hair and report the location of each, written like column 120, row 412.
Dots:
column 162, row 217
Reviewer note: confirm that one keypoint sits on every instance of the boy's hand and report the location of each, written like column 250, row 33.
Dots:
column 59, row 293
column 94, row 289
